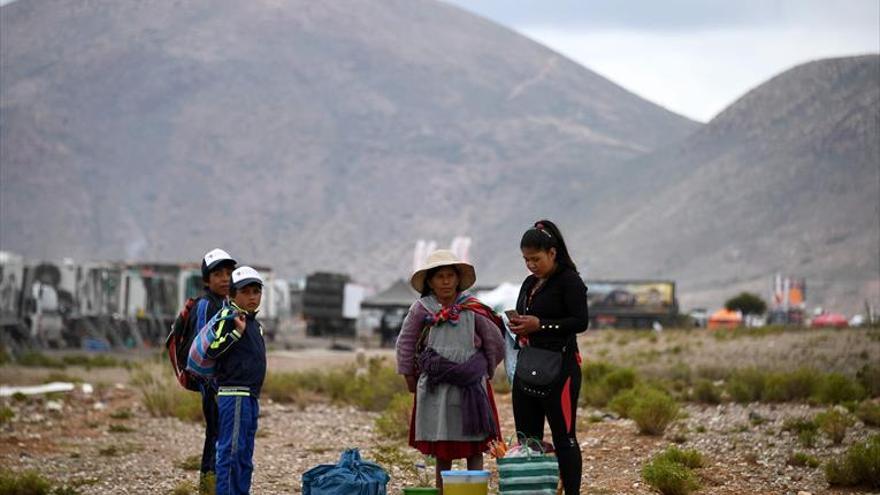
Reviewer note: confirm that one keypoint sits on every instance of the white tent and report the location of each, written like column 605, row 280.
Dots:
column 500, row 298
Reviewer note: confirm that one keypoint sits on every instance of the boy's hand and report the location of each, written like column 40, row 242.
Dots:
column 239, row 322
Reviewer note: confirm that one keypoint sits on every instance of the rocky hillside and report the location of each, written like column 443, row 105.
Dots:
column 785, row 179
column 334, row 135
column 328, row 135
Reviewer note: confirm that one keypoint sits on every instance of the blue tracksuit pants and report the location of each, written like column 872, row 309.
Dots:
column 235, row 443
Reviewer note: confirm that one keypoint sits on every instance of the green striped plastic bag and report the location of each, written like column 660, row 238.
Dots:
column 534, row 474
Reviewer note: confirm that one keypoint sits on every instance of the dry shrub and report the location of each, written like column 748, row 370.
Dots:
column 747, row 385
column 836, row 388
column 653, row 411
column 860, row 466
column 393, row 423
column 869, row 413
column 601, row 382
column 163, row 397
column 706, row 392
column 834, row 423
column 669, row 472
column 869, row 377
column 801, row 459
column 797, row 385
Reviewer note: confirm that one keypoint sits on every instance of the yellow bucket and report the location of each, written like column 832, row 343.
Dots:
column 465, row 482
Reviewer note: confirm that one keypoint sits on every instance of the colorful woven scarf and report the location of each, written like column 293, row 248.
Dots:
column 464, row 302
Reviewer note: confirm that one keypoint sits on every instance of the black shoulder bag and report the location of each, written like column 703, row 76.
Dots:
column 538, row 370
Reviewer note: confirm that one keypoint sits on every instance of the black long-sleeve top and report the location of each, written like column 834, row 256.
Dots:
column 560, row 305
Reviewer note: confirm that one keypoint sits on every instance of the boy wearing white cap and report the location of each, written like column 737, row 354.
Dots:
column 217, row 266
column 240, row 355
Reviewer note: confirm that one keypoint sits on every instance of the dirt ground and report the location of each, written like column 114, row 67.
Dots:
column 74, row 438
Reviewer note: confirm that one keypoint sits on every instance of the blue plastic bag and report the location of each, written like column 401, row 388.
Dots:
column 350, row 476
column 511, row 352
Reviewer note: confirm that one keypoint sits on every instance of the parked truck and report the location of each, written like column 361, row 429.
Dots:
column 101, row 305
column 631, row 303
column 331, row 305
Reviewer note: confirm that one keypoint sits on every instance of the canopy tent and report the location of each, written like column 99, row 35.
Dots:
column 500, row 298
column 398, row 295
column 724, row 318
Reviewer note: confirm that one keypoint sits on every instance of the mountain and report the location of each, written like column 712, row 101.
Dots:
column 305, row 135
column 786, row 179
column 333, row 135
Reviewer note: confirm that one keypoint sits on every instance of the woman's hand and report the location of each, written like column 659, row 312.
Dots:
column 524, row 324
column 411, row 382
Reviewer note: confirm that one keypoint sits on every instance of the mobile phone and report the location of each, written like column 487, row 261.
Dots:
column 511, row 313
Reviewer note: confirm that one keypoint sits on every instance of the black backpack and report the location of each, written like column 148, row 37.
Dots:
column 178, row 343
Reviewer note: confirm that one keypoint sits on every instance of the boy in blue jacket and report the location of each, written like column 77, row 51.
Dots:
column 217, row 268
column 240, row 355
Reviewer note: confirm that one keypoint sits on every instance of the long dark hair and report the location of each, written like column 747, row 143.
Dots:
column 545, row 235
column 426, row 289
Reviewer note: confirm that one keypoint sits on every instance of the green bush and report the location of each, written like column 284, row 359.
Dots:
column 834, row 423
column 120, row 429
column 208, row 484
column 6, row 415
column 836, row 388
column 805, row 429
column 393, row 423
column 375, row 389
column 869, row 413
column 123, row 413
column 706, row 392
column 653, row 411
column 163, row 397
column 714, row 373
column 753, row 385
column 796, row 385
column 594, row 371
column 802, row 459
column 38, row 360
column 690, row 458
column 668, row 475
column 747, row 385
column 622, row 402
column 808, row 438
column 191, row 463
column 30, row 483
column 184, row 488
column 25, row 483
column 97, row 361
column 286, row 388
column 869, row 377
column 860, row 466
column 602, row 382
column 371, row 389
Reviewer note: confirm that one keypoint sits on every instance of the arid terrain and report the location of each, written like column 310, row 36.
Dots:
column 107, row 442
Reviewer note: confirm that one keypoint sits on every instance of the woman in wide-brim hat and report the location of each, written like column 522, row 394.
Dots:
column 448, row 349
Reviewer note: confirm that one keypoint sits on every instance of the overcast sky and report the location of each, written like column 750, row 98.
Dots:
column 693, row 57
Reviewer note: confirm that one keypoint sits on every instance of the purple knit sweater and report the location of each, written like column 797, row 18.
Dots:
column 487, row 337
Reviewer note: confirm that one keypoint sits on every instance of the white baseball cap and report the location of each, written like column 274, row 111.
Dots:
column 245, row 275
column 213, row 258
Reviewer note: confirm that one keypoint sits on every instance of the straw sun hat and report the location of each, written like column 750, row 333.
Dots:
column 443, row 257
